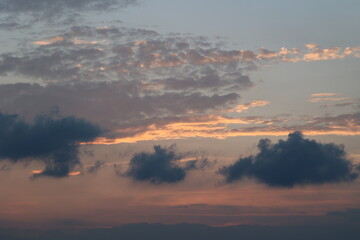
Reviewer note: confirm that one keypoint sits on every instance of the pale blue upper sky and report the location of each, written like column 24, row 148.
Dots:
column 254, row 24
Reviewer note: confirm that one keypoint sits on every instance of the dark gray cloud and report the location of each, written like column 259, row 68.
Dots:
column 291, row 162
column 198, row 164
column 52, row 141
column 119, row 105
column 337, row 124
column 157, row 167
column 208, row 79
column 45, row 10
column 118, row 53
column 54, row 65
column 355, row 103
column 350, row 120
column 162, row 166
column 95, row 168
column 11, row 26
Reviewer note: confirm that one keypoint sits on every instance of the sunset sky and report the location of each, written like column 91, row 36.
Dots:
column 221, row 113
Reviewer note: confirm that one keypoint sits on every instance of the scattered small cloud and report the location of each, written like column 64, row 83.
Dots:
column 162, row 166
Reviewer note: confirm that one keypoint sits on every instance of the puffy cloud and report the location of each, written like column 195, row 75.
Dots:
column 52, row 141
column 157, row 167
column 162, row 166
column 291, row 162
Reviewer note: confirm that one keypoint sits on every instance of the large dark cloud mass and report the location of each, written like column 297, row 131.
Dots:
column 53, row 141
column 295, row 161
column 161, row 166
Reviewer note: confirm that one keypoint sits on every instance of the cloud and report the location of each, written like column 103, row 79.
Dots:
column 121, row 105
column 50, row 66
column 171, row 62
column 350, row 121
column 49, row 10
column 252, row 104
column 162, row 166
column 222, row 127
column 113, row 53
column 198, row 164
column 334, row 100
column 11, row 26
column 324, row 95
column 327, row 97
column 207, row 80
column 52, row 141
column 291, row 162
column 95, row 168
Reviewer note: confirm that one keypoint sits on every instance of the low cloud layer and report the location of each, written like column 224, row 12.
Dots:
column 291, row 162
column 52, row 141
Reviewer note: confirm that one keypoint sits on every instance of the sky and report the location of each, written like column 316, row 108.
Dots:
column 116, row 112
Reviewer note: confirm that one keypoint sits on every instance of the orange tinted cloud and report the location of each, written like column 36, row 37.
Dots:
column 222, row 128
column 49, row 41
column 324, row 94
column 327, row 97
column 246, row 106
column 70, row 174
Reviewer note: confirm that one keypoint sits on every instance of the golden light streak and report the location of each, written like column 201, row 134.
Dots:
column 77, row 41
column 41, row 171
column 49, row 41
column 221, row 130
column 244, row 107
column 329, row 99
column 312, row 45
column 324, row 94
